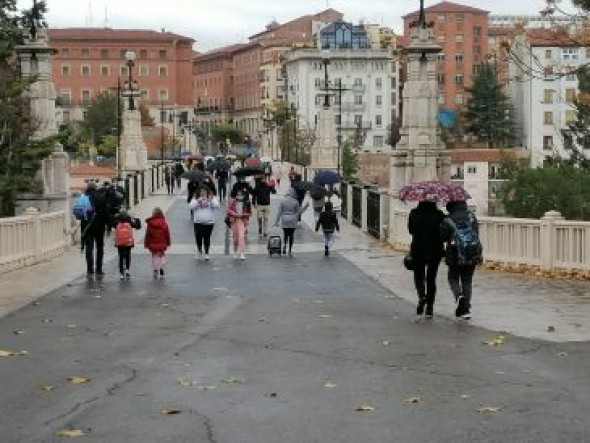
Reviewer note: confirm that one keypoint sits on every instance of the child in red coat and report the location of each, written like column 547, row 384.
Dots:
column 157, row 240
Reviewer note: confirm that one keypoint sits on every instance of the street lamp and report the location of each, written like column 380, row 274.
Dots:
column 130, row 58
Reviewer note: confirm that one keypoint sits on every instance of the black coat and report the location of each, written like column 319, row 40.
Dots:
column 96, row 225
column 328, row 221
column 261, row 193
column 424, row 225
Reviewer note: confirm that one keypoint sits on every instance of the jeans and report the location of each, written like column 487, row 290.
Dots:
column 124, row 258
column 460, row 281
column 262, row 213
column 425, row 272
column 95, row 236
column 203, row 236
column 288, row 237
column 329, row 239
column 222, row 189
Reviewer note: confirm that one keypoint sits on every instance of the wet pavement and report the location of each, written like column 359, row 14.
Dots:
column 276, row 350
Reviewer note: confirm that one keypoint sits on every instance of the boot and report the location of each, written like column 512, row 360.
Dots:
column 326, row 251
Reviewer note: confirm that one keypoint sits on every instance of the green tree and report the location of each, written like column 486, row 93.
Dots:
column 350, row 154
column 108, row 145
column 101, row 116
column 227, row 131
column 489, row 113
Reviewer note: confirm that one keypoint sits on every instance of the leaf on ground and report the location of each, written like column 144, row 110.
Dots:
column 18, row 332
column 330, row 385
column 498, row 340
column 464, row 396
column 78, row 379
column 170, row 411
column 318, row 301
column 4, row 353
column 47, row 387
column 220, row 289
column 71, row 433
column 271, row 394
column 365, row 408
column 550, row 328
column 325, row 316
column 231, row 380
column 413, row 400
column 563, row 354
column 488, row 409
column 164, row 305
column 47, row 320
column 98, row 296
column 385, row 343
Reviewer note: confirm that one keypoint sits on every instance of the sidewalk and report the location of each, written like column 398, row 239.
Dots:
column 22, row 286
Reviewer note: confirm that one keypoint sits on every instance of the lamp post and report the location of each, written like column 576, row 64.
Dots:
column 130, row 57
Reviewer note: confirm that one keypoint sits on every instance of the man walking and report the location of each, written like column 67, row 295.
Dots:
column 93, row 231
column 222, row 176
column 261, row 200
column 169, row 179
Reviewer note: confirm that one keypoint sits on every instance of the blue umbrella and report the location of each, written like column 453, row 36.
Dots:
column 326, row 177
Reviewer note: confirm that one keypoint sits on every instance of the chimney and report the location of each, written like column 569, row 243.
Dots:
column 163, row 30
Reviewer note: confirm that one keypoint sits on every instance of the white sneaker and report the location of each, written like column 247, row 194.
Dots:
column 206, row 257
column 242, row 256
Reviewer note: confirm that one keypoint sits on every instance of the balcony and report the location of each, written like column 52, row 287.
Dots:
column 358, row 88
column 351, row 107
column 352, row 126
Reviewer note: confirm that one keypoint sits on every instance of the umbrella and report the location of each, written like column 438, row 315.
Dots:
column 246, row 171
column 195, row 157
column 304, row 185
column 435, row 190
column 252, row 161
column 194, row 175
column 326, row 177
column 318, row 192
column 219, row 165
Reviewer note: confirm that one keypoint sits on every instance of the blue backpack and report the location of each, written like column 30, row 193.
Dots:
column 82, row 207
column 466, row 242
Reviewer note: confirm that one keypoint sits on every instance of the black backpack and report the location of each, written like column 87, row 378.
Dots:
column 465, row 241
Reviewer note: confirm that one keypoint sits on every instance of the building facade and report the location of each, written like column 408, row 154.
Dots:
column 361, row 75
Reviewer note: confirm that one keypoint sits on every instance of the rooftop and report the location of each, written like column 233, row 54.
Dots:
column 449, row 7
column 115, row 34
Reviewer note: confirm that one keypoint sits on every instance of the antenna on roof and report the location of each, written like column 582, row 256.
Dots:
column 89, row 15
column 106, row 15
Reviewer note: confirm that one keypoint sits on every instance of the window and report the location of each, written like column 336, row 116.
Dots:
column 393, row 82
column 476, row 49
column 85, row 96
column 378, row 121
column 440, row 38
column 319, row 99
column 547, row 142
column 105, row 70
column 441, row 79
column 163, row 71
column 378, row 100
column 358, row 81
column 65, row 97
column 458, row 38
column 162, row 54
column 338, row 119
column 358, row 99
column 548, row 118
column 570, row 54
column 104, row 54
column 143, row 54
column 122, row 53
column 571, row 77
column 570, row 95
column 144, row 70
column 378, row 83
column 66, row 117
column 571, row 116
column 393, row 98
column 358, row 120
column 471, row 169
column 66, row 70
column 548, row 54
column 441, row 17
column 459, row 58
column 85, row 53
column 458, row 79
column 163, row 94
column 459, row 18
column 145, row 94
column 440, row 57
column 378, row 141
column 477, row 30
column 65, row 52
column 318, row 82
column 548, row 96
column 476, row 69
column 441, row 99
column 85, row 70
column 123, row 70
column 459, row 99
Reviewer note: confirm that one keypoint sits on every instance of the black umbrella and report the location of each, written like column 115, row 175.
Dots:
column 219, row 165
column 304, row 185
column 318, row 192
column 246, row 171
column 194, row 175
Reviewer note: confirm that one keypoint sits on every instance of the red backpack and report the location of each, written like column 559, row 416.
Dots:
column 124, row 234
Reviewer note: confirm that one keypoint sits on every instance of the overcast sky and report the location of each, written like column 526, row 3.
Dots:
column 215, row 23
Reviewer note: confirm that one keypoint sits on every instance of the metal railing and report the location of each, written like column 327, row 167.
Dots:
column 374, row 214
column 344, row 199
column 357, row 208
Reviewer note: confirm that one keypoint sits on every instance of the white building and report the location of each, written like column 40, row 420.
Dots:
column 366, row 73
column 544, row 89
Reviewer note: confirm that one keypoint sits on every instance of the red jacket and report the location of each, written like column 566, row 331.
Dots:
column 157, row 234
column 233, row 215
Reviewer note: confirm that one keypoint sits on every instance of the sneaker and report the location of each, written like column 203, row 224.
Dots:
column 127, row 274
column 466, row 315
column 206, row 257
column 155, row 273
column 326, row 251
column 90, row 275
column 121, row 277
column 429, row 312
column 242, row 256
column 461, row 306
column 420, row 307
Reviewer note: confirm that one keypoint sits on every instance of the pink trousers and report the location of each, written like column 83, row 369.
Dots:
column 158, row 260
column 238, row 229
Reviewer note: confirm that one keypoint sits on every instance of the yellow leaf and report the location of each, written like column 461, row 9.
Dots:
column 46, row 387
column 330, row 385
column 413, row 400
column 498, row 340
column 4, row 353
column 170, row 411
column 365, row 408
column 78, row 379
column 71, row 433
column 488, row 409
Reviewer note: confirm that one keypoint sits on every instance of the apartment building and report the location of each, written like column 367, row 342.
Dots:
column 92, row 60
column 462, row 32
column 362, row 79
column 545, row 90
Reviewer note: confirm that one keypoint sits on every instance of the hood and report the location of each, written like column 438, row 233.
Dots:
column 156, row 221
column 456, row 206
column 328, row 207
column 291, row 192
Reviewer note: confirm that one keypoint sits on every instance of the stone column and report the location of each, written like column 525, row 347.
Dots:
column 132, row 149
column 324, row 153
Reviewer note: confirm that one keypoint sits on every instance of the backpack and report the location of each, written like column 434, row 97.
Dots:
column 124, row 234
column 82, row 207
column 465, row 242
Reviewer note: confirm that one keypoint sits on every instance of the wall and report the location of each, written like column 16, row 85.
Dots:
column 374, row 168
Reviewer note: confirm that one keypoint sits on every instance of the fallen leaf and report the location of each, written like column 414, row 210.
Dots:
column 318, row 301
column 464, row 396
column 385, row 343
column 170, row 411
column 47, row 320
column 413, row 400
column 18, row 332
column 550, row 328
column 498, row 340
column 365, row 408
column 272, row 394
column 141, row 394
column 330, row 385
column 47, row 387
column 164, row 305
column 390, row 296
column 325, row 316
column 78, row 379
column 488, row 409
column 4, row 353
column 231, row 380
column 562, row 354
column 71, row 433
column 98, row 296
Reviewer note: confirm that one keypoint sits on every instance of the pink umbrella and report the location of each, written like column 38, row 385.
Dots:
column 433, row 190
column 252, row 161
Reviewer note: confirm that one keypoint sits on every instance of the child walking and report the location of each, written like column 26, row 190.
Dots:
column 329, row 222
column 157, row 240
column 124, row 241
column 239, row 210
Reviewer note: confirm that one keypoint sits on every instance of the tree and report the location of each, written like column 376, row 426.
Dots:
column 394, row 135
column 350, row 154
column 101, row 116
column 488, row 112
column 227, row 131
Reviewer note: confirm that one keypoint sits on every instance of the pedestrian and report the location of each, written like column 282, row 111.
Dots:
column 169, row 179
column 242, row 185
column 298, row 191
column 178, row 171
column 278, row 172
column 329, row 223
column 318, row 203
column 460, row 231
column 426, row 251
column 239, row 210
column 261, row 201
column 287, row 215
column 157, row 240
column 222, row 176
column 115, row 196
column 292, row 174
column 93, row 228
column 125, row 241
column 204, row 208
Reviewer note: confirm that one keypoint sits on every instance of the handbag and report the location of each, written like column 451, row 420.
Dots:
column 408, row 262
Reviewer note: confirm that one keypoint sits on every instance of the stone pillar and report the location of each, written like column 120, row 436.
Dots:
column 548, row 239
column 324, row 153
column 132, row 149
